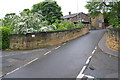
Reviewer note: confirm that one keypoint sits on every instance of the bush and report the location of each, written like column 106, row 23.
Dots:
column 4, row 37
column 65, row 25
column 80, row 24
column 70, row 25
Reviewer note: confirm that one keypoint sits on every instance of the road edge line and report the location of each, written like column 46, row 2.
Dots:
column 80, row 75
column 20, row 67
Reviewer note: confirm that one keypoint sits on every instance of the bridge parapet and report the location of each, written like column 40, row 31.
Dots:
column 43, row 39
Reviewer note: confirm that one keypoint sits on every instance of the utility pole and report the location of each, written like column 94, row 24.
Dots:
column 77, row 10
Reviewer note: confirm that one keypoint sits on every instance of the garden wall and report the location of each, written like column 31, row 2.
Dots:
column 43, row 39
column 113, row 39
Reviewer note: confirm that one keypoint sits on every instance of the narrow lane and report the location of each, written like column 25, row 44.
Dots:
column 102, row 66
column 65, row 62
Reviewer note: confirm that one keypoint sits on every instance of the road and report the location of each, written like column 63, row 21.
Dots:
column 102, row 66
column 63, row 62
column 15, row 59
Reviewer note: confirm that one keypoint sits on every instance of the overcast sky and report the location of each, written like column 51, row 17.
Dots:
column 15, row 6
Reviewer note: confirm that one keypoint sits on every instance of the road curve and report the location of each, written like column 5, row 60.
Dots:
column 64, row 62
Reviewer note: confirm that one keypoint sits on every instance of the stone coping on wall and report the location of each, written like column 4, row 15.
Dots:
column 43, row 39
column 47, row 32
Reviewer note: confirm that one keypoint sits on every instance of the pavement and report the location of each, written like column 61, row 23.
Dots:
column 102, row 66
column 103, row 47
column 104, row 63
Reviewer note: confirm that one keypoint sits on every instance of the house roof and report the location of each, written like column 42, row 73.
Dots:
column 69, row 16
column 73, row 15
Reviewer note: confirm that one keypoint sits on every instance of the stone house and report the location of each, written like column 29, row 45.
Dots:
column 98, row 22
column 78, row 17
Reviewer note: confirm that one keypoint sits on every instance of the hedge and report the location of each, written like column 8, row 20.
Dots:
column 4, row 37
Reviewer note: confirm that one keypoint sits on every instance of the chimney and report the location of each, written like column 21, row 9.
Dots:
column 69, row 13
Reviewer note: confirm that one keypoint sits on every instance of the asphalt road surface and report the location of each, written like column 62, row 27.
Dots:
column 64, row 62
column 12, row 60
column 102, row 65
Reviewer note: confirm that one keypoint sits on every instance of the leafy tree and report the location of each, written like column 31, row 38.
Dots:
column 49, row 9
column 94, row 8
column 115, row 15
column 110, row 11
column 1, row 22
column 27, row 11
column 8, row 19
column 29, row 22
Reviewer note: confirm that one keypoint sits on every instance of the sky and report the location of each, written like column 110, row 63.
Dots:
column 16, row 6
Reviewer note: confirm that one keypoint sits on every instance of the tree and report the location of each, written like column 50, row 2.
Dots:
column 8, row 19
column 27, row 11
column 1, row 22
column 110, row 10
column 29, row 22
column 49, row 9
column 94, row 8
column 115, row 15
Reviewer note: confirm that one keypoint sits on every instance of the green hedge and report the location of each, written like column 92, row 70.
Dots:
column 65, row 25
column 4, row 37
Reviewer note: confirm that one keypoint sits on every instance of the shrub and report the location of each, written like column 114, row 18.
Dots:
column 70, row 25
column 64, row 25
column 80, row 24
column 4, row 37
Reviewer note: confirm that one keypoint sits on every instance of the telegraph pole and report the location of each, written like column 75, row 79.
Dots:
column 77, row 10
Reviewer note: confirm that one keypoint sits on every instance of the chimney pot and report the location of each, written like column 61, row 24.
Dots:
column 69, row 13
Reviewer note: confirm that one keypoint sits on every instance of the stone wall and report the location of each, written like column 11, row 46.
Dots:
column 113, row 39
column 95, row 21
column 43, row 39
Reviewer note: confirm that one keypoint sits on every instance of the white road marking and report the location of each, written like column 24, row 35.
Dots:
column 30, row 62
column 90, row 76
column 1, row 77
column 22, row 66
column 63, row 43
column 47, row 52
column 80, row 75
column 89, row 57
column 87, row 61
column 57, row 47
column 4, row 55
column 81, row 72
column 12, row 71
column 93, row 52
column 95, row 47
column 84, row 67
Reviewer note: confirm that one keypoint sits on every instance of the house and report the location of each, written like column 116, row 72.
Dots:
column 98, row 22
column 78, row 17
